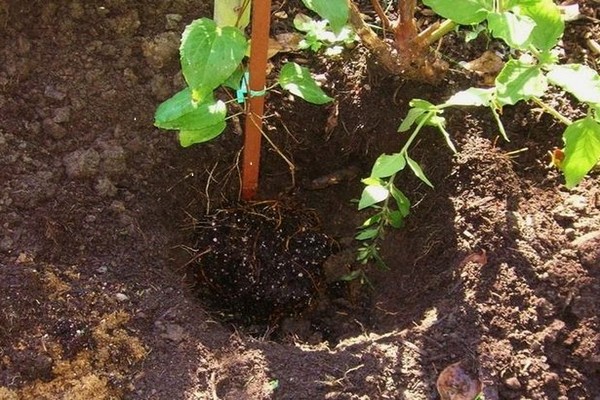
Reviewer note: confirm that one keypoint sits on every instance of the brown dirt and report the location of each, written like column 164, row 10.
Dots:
column 498, row 266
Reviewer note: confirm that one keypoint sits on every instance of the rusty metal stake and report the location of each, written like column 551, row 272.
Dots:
column 261, row 23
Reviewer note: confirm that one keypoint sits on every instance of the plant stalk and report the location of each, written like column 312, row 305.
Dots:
column 552, row 111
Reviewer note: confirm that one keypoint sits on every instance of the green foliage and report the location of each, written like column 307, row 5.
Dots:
column 582, row 149
column 298, row 81
column 211, row 56
column 531, row 28
column 534, row 27
column 334, row 11
column 319, row 35
column 464, row 12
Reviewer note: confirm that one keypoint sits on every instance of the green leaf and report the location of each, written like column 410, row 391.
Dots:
column 464, row 12
column 304, row 23
column 424, row 104
column 209, row 55
column 582, row 150
column 515, row 30
column 410, row 119
column 416, row 168
column 549, row 25
column 299, row 82
column 402, row 201
column 440, row 123
column 371, row 181
column 190, row 137
column 180, row 112
column 335, row 11
column 471, row 97
column 387, row 165
column 519, row 81
column 372, row 220
column 579, row 80
column 227, row 13
column 367, row 234
column 235, row 80
column 395, row 219
column 357, row 273
column 371, row 195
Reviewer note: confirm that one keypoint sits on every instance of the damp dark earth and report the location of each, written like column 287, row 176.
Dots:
column 129, row 269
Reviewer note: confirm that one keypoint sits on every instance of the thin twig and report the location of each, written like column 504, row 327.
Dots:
column 210, row 178
column 288, row 162
column 385, row 21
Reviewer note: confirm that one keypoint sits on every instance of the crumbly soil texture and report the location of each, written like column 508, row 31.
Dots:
column 130, row 270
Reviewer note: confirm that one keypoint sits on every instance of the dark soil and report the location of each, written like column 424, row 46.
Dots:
column 497, row 267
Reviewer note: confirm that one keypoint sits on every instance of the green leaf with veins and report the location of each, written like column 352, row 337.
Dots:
column 519, row 81
column 180, row 112
column 411, row 117
column 471, row 97
column 298, row 81
column 416, row 168
column 387, row 165
column 209, row 55
column 371, row 195
column 582, row 150
column 334, row 11
column 204, row 134
column 580, row 80
column 464, row 12
column 515, row 30
column 549, row 24
column 402, row 201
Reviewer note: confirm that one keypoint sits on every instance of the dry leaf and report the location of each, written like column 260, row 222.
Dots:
column 487, row 66
column 455, row 383
column 332, row 119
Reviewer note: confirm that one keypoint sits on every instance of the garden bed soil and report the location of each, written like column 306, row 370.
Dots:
column 498, row 266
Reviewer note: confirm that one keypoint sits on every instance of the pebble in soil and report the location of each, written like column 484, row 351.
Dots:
column 260, row 262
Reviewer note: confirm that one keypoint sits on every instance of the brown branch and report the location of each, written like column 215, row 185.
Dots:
column 371, row 41
column 385, row 21
column 406, row 30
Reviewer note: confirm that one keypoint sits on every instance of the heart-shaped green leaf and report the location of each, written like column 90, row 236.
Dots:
column 519, row 81
column 582, row 150
column 209, row 55
column 298, row 81
column 335, row 11
column 464, row 12
column 579, row 80
column 387, row 165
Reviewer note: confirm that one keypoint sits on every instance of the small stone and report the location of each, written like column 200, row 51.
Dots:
column 62, row 115
column 82, row 163
column 513, row 383
column 54, row 94
column 576, row 202
column 53, row 129
column 570, row 233
column 162, row 49
column 173, row 332
column 90, row 218
column 102, row 269
column 562, row 213
column 114, row 160
column 173, row 21
column 6, row 244
column 117, row 207
column 105, row 188
column 121, row 297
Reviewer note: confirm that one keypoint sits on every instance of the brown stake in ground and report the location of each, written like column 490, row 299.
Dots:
column 261, row 22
